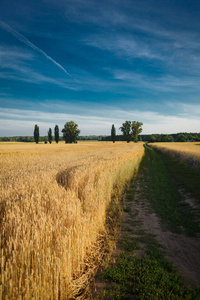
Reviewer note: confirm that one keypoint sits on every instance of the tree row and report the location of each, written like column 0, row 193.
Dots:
column 130, row 131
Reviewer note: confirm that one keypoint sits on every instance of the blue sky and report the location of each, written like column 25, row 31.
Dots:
column 99, row 63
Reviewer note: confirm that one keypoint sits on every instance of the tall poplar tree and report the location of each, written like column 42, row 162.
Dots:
column 113, row 133
column 50, row 135
column 56, row 133
column 36, row 134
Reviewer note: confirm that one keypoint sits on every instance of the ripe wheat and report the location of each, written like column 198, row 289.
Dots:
column 52, row 213
column 188, row 153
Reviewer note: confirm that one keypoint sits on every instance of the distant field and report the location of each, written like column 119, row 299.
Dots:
column 53, row 210
column 188, row 153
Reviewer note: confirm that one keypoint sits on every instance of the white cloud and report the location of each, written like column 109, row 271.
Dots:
column 163, row 83
column 12, row 55
column 28, row 75
column 21, row 122
column 128, row 47
column 188, row 110
column 18, row 65
column 24, row 40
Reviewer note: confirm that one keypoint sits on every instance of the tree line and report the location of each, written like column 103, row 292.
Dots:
column 36, row 134
column 152, row 138
column 70, row 133
column 176, row 137
column 130, row 130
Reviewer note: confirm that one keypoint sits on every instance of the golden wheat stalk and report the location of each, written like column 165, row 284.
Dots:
column 53, row 210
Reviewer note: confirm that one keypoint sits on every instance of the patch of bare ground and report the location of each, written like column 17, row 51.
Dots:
column 142, row 223
column 139, row 220
column 181, row 250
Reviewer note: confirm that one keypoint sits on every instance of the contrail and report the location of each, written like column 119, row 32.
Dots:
column 24, row 40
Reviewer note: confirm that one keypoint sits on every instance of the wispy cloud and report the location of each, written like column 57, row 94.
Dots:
column 14, row 54
column 187, row 110
column 24, row 40
column 169, row 50
column 126, row 47
column 129, row 37
column 129, row 31
column 20, row 62
column 28, row 75
column 98, row 121
column 133, row 56
column 159, row 83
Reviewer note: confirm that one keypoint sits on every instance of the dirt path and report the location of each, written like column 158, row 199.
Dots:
column 143, row 231
column 181, row 250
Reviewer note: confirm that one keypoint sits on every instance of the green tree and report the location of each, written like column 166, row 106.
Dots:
column 36, row 134
column 131, row 130
column 181, row 138
column 50, row 135
column 190, row 137
column 165, row 138
column 136, row 130
column 56, row 133
column 126, row 130
column 70, row 132
column 170, row 138
column 113, row 133
column 152, row 139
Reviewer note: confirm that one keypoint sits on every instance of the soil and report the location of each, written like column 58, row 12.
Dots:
column 181, row 250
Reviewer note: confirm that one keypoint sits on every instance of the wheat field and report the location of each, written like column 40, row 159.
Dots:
column 188, row 153
column 52, row 213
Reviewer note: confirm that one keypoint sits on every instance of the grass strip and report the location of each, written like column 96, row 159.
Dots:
column 149, row 277
column 162, row 193
column 185, row 175
column 145, row 278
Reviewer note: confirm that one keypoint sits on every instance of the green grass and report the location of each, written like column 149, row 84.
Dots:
column 129, row 243
column 162, row 193
column 151, row 276
column 127, row 209
column 184, row 175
